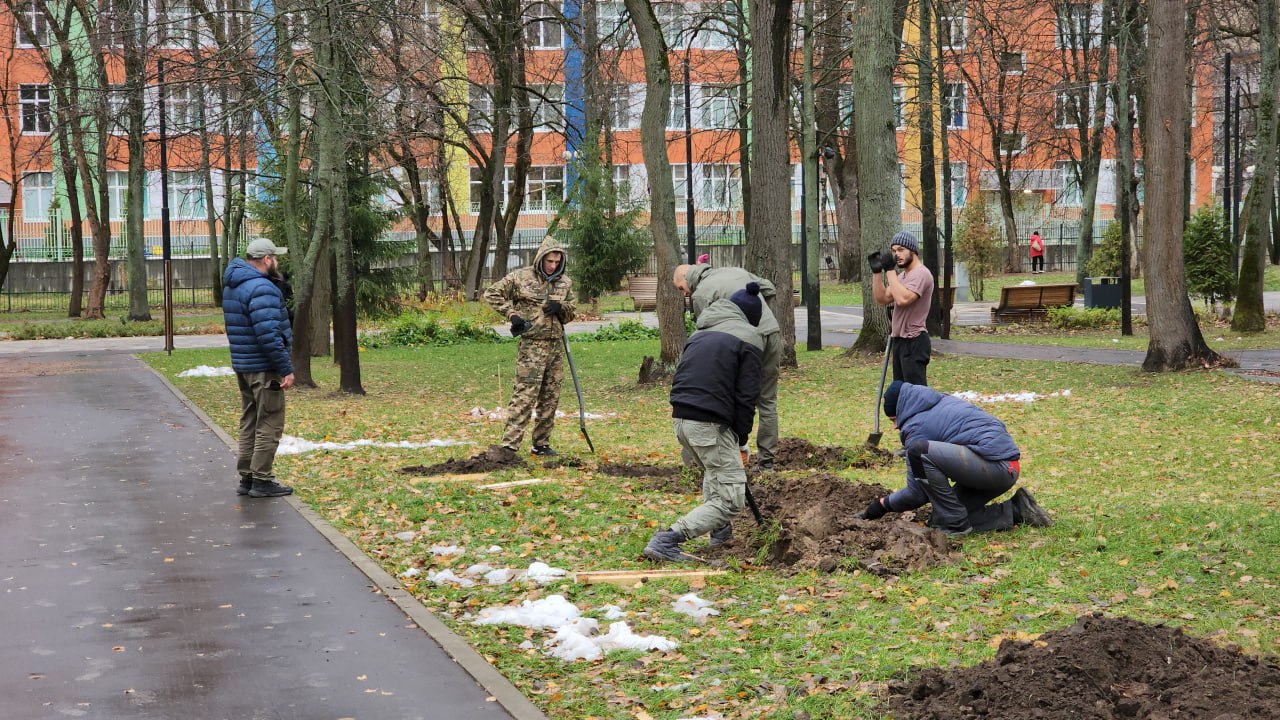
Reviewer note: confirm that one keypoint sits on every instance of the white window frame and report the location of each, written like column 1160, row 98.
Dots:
column 542, row 30
column 959, row 184
column 541, row 178
column 622, row 189
column 844, row 105
column 1022, row 142
column 625, row 102
column 952, row 20
column 118, row 194
column 959, row 111
column 1069, row 192
column 35, row 104
column 680, row 181
column 717, row 32
column 721, row 186
column 613, row 24
column 1022, row 63
column 479, row 108
column 39, row 25
column 899, row 106
column 1062, row 117
column 719, row 107
column 182, row 106
column 548, row 115
column 186, row 195
column 671, row 16
column 1086, row 27
column 37, row 196
column 675, row 121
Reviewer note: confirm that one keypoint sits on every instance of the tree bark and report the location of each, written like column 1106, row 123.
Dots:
column 135, row 80
column 1176, row 342
column 928, row 169
column 662, row 195
column 768, row 251
column 873, row 125
column 1250, row 315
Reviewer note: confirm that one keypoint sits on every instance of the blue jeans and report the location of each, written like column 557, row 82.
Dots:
column 932, row 467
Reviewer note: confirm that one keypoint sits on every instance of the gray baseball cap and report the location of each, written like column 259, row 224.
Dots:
column 263, row 247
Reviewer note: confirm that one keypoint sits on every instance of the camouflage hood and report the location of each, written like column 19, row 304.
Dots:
column 550, row 244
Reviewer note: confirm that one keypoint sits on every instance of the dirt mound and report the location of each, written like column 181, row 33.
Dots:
column 797, row 454
column 816, row 529
column 1099, row 669
column 495, row 458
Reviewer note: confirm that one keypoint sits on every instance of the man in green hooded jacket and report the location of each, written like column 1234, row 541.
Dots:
column 537, row 302
column 703, row 285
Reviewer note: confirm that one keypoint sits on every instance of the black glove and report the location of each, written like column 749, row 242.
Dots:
column 552, row 308
column 878, row 262
column 519, row 325
column 874, row 511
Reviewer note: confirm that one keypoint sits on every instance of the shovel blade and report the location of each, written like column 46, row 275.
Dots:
column 873, row 440
column 587, row 437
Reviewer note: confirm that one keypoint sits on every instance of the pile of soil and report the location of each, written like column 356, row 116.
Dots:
column 1099, row 668
column 816, row 529
column 495, row 458
column 797, row 454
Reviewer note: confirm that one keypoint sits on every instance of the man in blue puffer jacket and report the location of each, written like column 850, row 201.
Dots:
column 260, row 337
column 949, row 440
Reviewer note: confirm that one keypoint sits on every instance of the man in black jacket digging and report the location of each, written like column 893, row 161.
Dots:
column 713, row 403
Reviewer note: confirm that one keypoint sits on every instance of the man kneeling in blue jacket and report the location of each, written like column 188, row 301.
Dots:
column 949, row 440
column 713, row 403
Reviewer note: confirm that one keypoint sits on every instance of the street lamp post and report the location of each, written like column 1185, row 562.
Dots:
column 166, row 244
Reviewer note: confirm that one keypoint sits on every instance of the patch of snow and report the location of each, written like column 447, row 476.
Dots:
column 207, row 371
column 1023, row 397
column 477, row 569
column 446, row 550
column 500, row 414
column 493, row 549
column 447, row 577
column 551, row 611
column 543, row 573
column 612, row 612
column 694, row 606
column 621, row 637
column 407, row 535
column 290, row 445
column 501, row 576
column 411, row 572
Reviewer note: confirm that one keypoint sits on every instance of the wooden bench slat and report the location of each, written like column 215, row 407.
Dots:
column 643, row 290
column 1031, row 302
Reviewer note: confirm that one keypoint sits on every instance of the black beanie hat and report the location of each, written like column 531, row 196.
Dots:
column 748, row 299
column 891, row 398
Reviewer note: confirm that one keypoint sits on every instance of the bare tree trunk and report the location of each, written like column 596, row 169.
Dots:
column 662, row 195
column 928, row 169
column 873, row 123
column 840, row 169
column 1250, row 316
column 135, row 80
column 768, row 251
column 1176, row 342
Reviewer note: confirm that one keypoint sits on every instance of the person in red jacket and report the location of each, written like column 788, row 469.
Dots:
column 1037, row 253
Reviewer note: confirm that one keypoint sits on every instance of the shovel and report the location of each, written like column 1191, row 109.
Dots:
column 573, row 372
column 873, row 440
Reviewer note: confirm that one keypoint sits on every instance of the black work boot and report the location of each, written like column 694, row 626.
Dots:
column 269, row 488
column 544, row 450
column 721, row 535
column 1027, row 511
column 246, row 484
column 664, row 546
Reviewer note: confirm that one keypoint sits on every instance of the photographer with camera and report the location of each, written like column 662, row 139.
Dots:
column 910, row 295
column 537, row 301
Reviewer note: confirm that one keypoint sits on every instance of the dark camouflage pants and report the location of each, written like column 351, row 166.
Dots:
column 539, row 375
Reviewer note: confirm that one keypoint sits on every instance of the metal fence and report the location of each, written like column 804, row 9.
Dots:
column 49, row 237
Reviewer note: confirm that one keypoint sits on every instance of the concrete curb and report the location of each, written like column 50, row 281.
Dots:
column 505, row 693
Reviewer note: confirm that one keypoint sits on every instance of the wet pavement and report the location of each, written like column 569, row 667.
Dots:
column 137, row 584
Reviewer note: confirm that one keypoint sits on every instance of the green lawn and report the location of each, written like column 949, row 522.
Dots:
column 1164, row 488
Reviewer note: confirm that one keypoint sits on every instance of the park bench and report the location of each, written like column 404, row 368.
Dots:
column 643, row 290
column 1031, row 302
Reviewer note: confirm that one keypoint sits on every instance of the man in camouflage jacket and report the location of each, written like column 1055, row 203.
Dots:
column 536, row 299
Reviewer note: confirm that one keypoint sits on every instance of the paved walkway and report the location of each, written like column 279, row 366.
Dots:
column 136, row 584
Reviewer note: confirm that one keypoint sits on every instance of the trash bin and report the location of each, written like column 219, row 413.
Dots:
column 1102, row 292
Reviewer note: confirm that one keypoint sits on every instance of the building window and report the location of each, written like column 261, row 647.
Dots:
column 175, row 20
column 182, row 107
column 1078, row 25
column 899, row 114
column 35, row 109
column 954, row 96
column 37, row 195
column 844, row 105
column 543, row 27
column 117, row 193
column 721, row 187
column 671, row 17
column 719, row 106
column 30, row 16
column 902, row 186
column 622, row 184
column 1069, row 107
column 680, row 181
column 547, row 100
column 952, row 26
column 1068, row 186
column 476, row 188
column 623, row 113
column 959, row 184
column 186, row 195
column 676, row 119
column 720, row 20
column 545, row 187
column 1012, row 142
column 613, row 24
column 479, row 108
column 1013, row 63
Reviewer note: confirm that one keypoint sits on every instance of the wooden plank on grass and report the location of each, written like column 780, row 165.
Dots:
column 469, row 477
column 513, row 483
column 696, row 578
